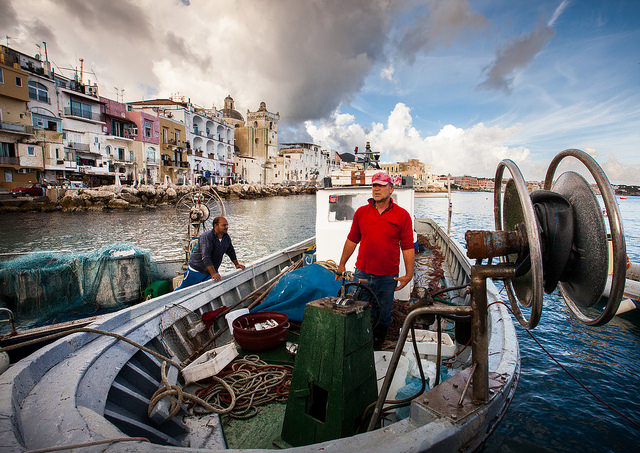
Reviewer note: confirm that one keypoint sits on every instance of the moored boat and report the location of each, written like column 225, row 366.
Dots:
column 89, row 389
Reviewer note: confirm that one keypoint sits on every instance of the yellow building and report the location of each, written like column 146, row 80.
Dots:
column 20, row 161
column 173, row 155
column 256, row 139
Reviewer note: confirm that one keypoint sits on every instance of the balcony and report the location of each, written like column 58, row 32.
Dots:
column 79, row 146
column 9, row 160
column 16, row 128
column 77, row 113
column 151, row 161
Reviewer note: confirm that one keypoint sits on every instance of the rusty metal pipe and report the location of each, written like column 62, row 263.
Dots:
column 479, row 331
column 489, row 244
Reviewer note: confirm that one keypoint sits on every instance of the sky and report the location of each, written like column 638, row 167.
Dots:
column 457, row 84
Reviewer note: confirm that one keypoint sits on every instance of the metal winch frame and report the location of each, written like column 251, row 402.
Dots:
column 521, row 251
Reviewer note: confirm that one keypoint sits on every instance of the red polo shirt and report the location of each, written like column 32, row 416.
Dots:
column 381, row 236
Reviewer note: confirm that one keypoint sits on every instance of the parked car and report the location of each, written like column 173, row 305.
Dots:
column 34, row 190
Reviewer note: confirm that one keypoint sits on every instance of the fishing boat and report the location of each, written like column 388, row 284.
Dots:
column 99, row 386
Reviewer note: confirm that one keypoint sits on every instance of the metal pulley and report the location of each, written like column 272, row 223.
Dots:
column 555, row 237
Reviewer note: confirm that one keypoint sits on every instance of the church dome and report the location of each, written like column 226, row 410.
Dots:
column 229, row 112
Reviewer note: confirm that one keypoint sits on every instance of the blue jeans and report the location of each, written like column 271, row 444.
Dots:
column 192, row 277
column 383, row 286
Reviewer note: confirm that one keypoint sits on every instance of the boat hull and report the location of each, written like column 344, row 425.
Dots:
column 79, row 389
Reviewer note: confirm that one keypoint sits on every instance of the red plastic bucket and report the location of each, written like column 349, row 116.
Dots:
column 260, row 340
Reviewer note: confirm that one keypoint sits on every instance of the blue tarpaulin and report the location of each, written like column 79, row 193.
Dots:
column 297, row 288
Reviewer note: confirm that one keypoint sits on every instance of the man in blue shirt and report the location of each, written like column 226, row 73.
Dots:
column 207, row 255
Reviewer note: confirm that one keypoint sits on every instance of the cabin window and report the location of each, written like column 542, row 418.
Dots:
column 342, row 207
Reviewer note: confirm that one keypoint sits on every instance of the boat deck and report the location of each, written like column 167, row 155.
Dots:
column 263, row 430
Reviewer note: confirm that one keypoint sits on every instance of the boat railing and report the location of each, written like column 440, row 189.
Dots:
column 10, row 320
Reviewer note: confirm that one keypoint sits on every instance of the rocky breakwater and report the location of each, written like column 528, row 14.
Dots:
column 144, row 196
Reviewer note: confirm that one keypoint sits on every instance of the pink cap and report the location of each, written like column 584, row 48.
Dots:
column 381, row 178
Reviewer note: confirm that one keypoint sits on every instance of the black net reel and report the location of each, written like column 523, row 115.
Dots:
column 356, row 291
column 556, row 237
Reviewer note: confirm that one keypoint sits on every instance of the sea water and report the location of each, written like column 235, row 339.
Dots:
column 550, row 411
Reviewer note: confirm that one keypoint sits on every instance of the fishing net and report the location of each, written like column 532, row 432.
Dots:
column 183, row 332
column 43, row 286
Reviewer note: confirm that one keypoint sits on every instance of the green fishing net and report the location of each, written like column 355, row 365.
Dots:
column 46, row 287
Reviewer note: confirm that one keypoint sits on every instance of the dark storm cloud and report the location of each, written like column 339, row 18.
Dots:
column 115, row 16
column 315, row 54
column 441, row 24
column 178, row 46
column 515, row 55
column 8, row 16
column 39, row 31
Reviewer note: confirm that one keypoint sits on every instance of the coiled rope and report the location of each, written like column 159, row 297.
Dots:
column 333, row 267
column 180, row 395
column 252, row 382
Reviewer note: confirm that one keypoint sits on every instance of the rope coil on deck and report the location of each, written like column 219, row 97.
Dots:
column 176, row 391
column 252, row 381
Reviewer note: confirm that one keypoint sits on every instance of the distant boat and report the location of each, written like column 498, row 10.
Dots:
column 623, row 198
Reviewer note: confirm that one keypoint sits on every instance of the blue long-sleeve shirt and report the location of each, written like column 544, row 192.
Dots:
column 210, row 250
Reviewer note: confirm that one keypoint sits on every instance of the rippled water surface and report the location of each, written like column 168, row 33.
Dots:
column 550, row 411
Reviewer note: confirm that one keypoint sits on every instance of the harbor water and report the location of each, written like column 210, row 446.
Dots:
column 550, row 411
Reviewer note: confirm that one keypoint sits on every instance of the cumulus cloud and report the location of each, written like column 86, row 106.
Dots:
column 620, row 173
column 474, row 151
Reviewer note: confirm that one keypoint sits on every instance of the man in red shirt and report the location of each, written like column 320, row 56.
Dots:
column 383, row 229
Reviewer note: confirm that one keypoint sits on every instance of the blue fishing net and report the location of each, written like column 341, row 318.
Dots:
column 44, row 287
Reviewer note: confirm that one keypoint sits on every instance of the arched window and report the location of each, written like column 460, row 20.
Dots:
column 108, row 149
column 38, row 91
column 151, row 154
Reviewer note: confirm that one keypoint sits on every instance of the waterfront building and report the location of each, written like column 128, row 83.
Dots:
column 305, row 163
column 146, row 146
column 117, row 141
column 19, row 162
column 211, row 155
column 173, row 164
column 257, row 138
column 249, row 169
column 83, row 129
column 208, row 139
column 45, row 116
column 421, row 173
column 392, row 168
